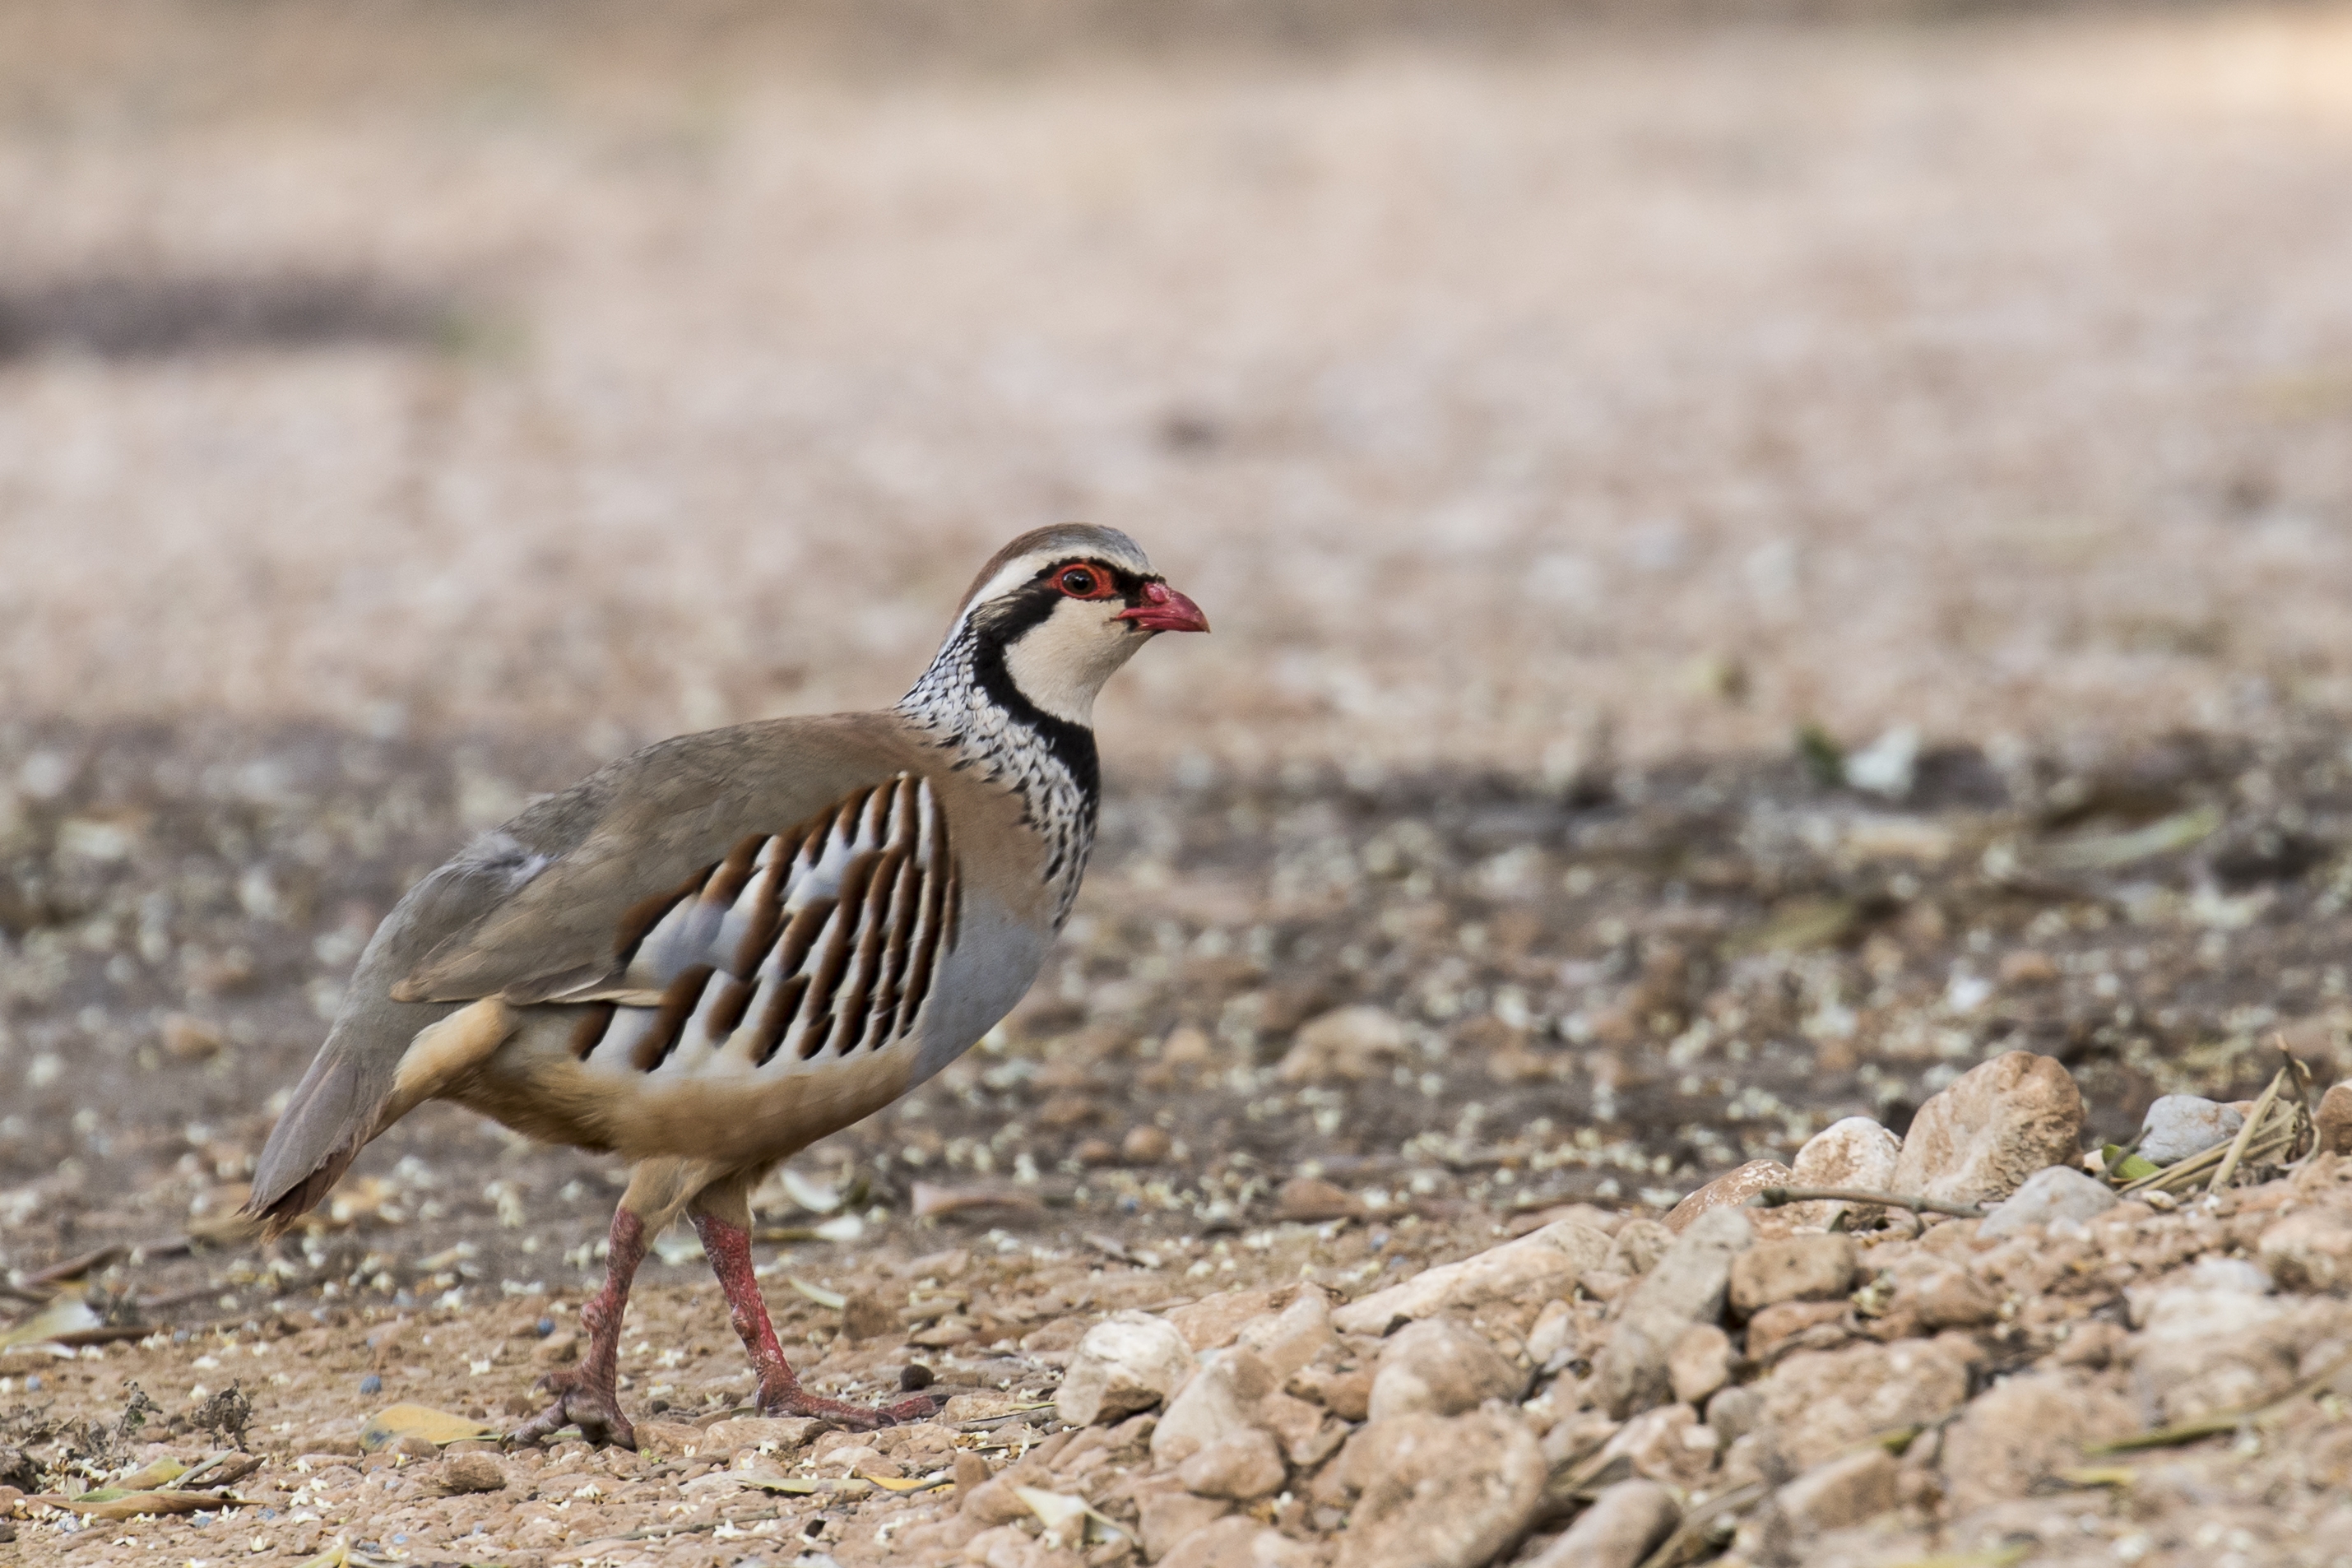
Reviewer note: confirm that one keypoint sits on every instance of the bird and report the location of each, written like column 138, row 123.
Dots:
column 713, row 951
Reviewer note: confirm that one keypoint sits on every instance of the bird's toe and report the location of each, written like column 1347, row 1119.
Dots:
column 579, row 1403
column 849, row 1417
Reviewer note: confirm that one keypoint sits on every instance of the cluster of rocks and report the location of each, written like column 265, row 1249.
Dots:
column 1823, row 1382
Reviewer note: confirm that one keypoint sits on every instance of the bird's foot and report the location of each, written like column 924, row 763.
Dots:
column 796, row 1400
column 588, row 1403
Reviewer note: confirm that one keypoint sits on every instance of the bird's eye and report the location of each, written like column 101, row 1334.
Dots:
column 1082, row 582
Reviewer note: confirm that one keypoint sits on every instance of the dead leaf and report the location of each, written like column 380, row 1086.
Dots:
column 438, row 1428
column 808, row 1194
column 147, row 1478
column 114, row 1503
column 833, row 1300
column 931, row 1200
column 67, row 1315
column 2110, row 851
column 1055, row 1510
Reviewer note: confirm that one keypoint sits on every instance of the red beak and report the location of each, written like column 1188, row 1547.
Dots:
column 1165, row 610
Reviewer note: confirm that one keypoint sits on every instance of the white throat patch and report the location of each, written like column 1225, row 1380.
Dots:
column 1061, row 663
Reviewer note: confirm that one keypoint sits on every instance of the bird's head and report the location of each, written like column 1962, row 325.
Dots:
column 1064, row 607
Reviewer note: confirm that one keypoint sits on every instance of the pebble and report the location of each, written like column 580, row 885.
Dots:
column 1128, row 1362
column 1536, row 1268
column 2226, row 1351
column 1439, row 1492
column 1240, row 1467
column 1982, row 1135
column 1625, row 1523
column 1800, row 1269
column 1687, row 1287
column 1166, row 1518
column 1290, row 1339
column 1935, row 1294
column 738, row 1433
column 2060, row 1193
column 1854, row 1152
column 2332, row 1121
column 1730, row 1190
column 1637, row 1246
column 1215, row 1321
column 1667, row 1445
column 1441, row 1367
column 2180, row 1125
column 472, row 1473
column 1699, row 1363
column 2015, row 1433
column 1146, row 1145
column 1002, row 1546
column 371, row 1384
column 1819, row 1402
column 1234, row 1542
column 2027, row 966
column 191, row 1039
column 2311, row 1250
column 1837, row 1493
column 1772, row 1329
column 1310, row 1201
column 1216, row 1403
column 1349, row 1044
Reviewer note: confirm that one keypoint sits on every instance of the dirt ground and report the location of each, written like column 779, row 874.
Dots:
column 1606, row 994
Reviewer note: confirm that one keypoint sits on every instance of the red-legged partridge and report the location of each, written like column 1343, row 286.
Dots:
column 709, row 954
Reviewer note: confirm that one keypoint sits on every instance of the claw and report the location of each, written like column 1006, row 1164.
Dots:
column 849, row 1417
column 594, row 1410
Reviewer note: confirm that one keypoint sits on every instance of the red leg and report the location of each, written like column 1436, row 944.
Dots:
column 730, row 1249
column 587, row 1394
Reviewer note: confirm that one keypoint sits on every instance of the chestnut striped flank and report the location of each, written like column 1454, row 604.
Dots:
column 800, row 948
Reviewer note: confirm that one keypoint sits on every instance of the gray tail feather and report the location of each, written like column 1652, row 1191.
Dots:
column 333, row 1115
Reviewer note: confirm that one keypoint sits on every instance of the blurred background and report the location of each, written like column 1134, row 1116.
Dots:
column 1558, row 408
column 1507, row 379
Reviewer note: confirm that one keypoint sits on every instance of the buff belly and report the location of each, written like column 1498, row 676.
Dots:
column 715, row 1111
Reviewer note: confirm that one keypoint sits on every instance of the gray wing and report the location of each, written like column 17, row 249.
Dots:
column 554, row 905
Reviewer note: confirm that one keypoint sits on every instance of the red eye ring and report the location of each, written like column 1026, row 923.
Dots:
column 1083, row 582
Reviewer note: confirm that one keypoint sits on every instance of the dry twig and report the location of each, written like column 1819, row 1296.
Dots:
column 1777, row 1197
